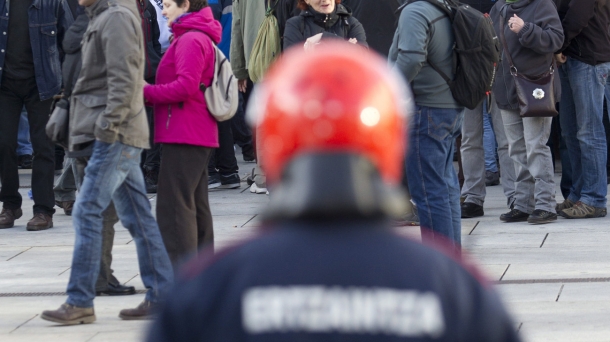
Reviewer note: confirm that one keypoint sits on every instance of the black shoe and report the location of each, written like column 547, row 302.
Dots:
column 24, row 161
column 150, row 179
column 214, row 181
column 514, row 216
column 470, row 210
column 492, row 178
column 116, row 290
column 230, row 181
column 540, row 216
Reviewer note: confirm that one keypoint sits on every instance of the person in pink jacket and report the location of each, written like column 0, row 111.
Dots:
column 185, row 127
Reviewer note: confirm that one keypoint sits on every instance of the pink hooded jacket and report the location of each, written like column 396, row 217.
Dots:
column 181, row 114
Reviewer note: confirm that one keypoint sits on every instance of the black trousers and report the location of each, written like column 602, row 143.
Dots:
column 151, row 159
column 223, row 158
column 14, row 94
column 183, row 208
column 242, row 134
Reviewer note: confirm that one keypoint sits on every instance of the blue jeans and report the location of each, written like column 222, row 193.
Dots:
column 432, row 178
column 489, row 141
column 24, row 146
column 113, row 173
column 582, row 128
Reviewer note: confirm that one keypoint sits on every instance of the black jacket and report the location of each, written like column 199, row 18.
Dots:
column 72, row 49
column 340, row 24
column 483, row 6
column 150, row 28
column 378, row 19
column 284, row 10
column 331, row 280
column 586, row 25
column 531, row 49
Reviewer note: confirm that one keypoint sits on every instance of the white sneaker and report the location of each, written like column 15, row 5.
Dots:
column 256, row 190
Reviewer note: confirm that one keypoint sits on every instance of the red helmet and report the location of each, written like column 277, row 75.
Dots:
column 339, row 98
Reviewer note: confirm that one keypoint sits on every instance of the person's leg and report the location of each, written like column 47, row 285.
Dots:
column 205, row 226
column 223, row 164
column 524, row 184
column 588, row 87
column 24, row 146
column 151, row 157
column 432, row 137
column 133, row 208
column 109, row 219
column 242, row 134
column 176, row 208
column 489, row 142
column 65, row 187
column 473, row 156
column 536, row 133
column 507, row 165
column 10, row 111
column 570, row 159
column 453, row 185
column 103, row 176
column 43, row 166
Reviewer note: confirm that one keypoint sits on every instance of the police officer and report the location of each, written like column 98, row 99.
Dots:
column 329, row 267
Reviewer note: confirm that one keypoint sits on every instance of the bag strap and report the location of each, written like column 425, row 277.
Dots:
column 507, row 52
column 271, row 9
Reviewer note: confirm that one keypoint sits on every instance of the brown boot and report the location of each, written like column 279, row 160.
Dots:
column 144, row 311
column 40, row 221
column 69, row 314
column 8, row 217
column 67, row 206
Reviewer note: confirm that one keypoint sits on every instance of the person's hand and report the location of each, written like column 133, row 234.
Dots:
column 242, row 85
column 353, row 40
column 312, row 41
column 560, row 59
column 515, row 24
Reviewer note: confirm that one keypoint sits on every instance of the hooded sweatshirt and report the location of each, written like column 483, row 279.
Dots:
column 181, row 113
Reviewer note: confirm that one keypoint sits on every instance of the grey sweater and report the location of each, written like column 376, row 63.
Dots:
column 424, row 34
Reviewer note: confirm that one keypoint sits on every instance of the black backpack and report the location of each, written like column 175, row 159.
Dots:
column 476, row 52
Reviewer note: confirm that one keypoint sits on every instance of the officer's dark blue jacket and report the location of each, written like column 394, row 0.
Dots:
column 48, row 20
column 331, row 281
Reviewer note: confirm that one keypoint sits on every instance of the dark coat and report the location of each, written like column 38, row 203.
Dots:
column 150, row 28
column 586, row 27
column 484, row 6
column 309, row 23
column 378, row 19
column 332, row 259
column 72, row 49
column 531, row 49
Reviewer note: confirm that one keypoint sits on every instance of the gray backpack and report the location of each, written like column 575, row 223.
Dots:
column 221, row 96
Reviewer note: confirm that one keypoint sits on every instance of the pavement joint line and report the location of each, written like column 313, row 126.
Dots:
column 475, row 227
column 132, row 278
column 543, row 240
column 252, row 218
column 559, row 294
column 18, row 254
column 503, row 274
column 65, row 270
column 128, row 242
column 92, row 337
column 24, row 323
column 519, row 327
column 552, row 281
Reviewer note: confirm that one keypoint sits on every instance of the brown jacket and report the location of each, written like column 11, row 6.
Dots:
column 107, row 101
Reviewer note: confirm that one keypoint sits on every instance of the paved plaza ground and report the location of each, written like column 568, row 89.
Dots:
column 554, row 278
